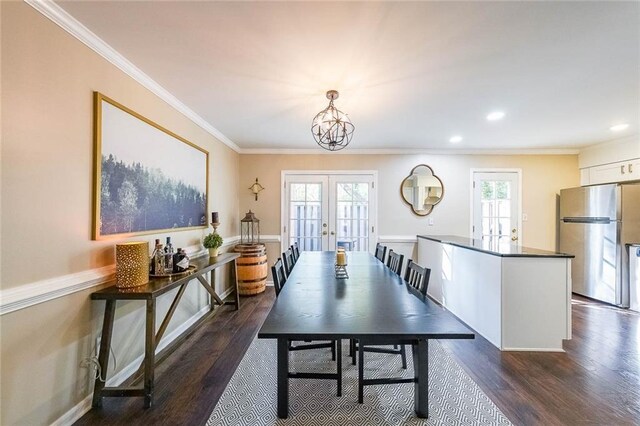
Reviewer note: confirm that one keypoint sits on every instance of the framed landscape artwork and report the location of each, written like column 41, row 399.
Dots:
column 146, row 178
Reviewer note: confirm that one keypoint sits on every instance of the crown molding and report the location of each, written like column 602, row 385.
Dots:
column 64, row 20
column 409, row 151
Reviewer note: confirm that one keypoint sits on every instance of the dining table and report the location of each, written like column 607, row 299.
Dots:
column 373, row 305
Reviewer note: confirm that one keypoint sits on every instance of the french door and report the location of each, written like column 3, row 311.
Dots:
column 496, row 207
column 326, row 211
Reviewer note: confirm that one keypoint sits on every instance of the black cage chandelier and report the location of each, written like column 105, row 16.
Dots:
column 331, row 128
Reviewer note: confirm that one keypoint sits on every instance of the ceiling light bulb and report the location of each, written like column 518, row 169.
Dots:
column 455, row 139
column 496, row 115
column 619, row 127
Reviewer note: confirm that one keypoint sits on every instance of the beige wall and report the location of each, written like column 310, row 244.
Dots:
column 542, row 178
column 47, row 79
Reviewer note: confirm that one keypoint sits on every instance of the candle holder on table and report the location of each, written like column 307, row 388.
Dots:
column 341, row 264
column 341, row 272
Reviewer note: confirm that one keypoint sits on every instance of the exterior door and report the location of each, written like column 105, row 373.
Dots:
column 496, row 208
column 323, row 212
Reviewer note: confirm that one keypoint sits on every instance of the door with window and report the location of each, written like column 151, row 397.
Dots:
column 496, row 208
column 326, row 211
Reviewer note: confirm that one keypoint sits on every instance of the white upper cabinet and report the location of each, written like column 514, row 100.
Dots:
column 615, row 172
column 611, row 162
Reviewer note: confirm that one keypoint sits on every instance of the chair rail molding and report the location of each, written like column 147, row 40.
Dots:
column 24, row 296
column 398, row 239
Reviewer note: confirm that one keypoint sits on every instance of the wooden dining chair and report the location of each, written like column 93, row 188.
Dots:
column 279, row 275
column 381, row 251
column 287, row 259
column 296, row 251
column 279, row 278
column 394, row 262
column 417, row 277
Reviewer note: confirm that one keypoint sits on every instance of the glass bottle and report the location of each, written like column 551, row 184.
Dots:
column 168, row 256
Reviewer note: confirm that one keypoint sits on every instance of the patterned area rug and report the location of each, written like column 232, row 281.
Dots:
column 250, row 396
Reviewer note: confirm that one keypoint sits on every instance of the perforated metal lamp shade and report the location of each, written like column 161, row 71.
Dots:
column 331, row 128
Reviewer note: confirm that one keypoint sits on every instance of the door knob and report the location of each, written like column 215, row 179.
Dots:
column 333, row 233
column 324, row 232
column 514, row 238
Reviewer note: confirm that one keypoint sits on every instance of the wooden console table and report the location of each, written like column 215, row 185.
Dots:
column 149, row 293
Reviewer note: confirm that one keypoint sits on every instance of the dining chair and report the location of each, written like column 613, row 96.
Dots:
column 279, row 275
column 279, row 278
column 416, row 277
column 381, row 251
column 287, row 259
column 296, row 251
column 394, row 262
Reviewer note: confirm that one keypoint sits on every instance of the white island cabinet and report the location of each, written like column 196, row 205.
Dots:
column 517, row 298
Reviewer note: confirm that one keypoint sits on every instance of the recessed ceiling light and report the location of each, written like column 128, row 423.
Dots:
column 455, row 139
column 619, row 127
column 495, row 115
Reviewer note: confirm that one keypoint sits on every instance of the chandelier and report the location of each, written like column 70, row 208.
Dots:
column 331, row 128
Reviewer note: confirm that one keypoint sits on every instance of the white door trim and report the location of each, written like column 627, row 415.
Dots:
column 283, row 194
column 520, row 189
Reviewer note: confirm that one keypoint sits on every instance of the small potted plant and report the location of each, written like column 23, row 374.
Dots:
column 213, row 242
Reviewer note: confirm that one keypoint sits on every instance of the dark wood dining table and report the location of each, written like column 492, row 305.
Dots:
column 373, row 305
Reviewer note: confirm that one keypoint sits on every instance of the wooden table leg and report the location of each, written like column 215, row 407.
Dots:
column 234, row 282
column 421, row 374
column 103, row 356
column 283, row 378
column 149, row 353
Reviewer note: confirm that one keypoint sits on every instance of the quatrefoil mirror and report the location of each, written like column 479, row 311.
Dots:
column 422, row 190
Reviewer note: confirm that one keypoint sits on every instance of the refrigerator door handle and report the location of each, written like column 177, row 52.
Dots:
column 604, row 220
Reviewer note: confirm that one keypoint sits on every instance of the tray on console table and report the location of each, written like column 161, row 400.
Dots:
column 149, row 292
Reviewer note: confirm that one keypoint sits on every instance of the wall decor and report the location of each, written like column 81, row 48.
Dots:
column 422, row 190
column 256, row 188
column 146, row 178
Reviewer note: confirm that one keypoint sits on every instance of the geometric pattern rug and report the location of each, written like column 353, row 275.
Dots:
column 250, row 397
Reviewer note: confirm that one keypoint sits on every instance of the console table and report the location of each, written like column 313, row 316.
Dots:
column 149, row 293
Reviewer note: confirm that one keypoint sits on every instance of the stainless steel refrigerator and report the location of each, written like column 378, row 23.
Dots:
column 595, row 224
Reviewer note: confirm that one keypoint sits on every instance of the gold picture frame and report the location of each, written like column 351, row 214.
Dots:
column 140, row 174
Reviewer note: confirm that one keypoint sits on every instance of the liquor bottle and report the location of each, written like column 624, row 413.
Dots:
column 183, row 261
column 158, row 261
column 168, row 256
column 152, row 259
column 176, row 259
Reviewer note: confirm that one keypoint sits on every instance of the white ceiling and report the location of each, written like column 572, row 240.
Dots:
column 410, row 75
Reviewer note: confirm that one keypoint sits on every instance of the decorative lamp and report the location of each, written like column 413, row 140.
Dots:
column 256, row 188
column 132, row 264
column 332, row 128
column 250, row 229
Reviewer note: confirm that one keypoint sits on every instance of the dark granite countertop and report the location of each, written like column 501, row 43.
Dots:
column 495, row 249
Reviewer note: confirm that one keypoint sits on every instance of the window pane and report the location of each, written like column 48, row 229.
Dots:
column 344, row 191
column 361, row 192
column 504, row 226
column 503, row 190
column 487, row 190
column 504, row 208
column 313, row 192
column 297, row 191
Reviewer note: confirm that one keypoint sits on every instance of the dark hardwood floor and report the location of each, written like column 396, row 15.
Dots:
column 597, row 380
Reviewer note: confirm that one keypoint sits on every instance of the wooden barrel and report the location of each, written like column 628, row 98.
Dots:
column 252, row 268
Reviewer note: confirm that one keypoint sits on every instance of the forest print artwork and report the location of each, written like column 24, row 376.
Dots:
column 150, row 179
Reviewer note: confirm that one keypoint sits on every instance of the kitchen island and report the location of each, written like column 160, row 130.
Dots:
column 517, row 298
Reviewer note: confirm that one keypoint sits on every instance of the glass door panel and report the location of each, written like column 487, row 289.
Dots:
column 307, row 217
column 495, row 208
